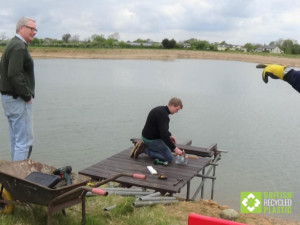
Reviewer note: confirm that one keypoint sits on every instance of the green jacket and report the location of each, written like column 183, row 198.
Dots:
column 17, row 70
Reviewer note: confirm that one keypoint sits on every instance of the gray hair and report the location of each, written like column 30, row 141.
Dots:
column 22, row 22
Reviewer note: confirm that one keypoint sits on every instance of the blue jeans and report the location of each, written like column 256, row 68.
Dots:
column 19, row 115
column 157, row 149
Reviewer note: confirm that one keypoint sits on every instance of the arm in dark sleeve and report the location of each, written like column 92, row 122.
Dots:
column 293, row 78
column 165, row 134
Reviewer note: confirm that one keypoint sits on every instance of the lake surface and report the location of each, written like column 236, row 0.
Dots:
column 87, row 110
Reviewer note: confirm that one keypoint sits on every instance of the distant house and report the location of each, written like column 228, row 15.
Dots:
column 222, row 47
column 186, row 45
column 144, row 44
column 269, row 48
column 228, row 47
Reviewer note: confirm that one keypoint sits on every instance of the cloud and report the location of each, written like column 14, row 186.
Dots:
column 235, row 21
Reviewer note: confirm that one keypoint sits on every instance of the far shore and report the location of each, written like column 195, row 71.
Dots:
column 160, row 54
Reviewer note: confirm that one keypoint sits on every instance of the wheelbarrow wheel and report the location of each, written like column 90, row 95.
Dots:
column 6, row 208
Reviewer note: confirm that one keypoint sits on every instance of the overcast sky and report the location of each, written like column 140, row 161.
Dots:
column 233, row 21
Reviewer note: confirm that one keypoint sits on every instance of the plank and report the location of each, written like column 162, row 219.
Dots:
column 189, row 149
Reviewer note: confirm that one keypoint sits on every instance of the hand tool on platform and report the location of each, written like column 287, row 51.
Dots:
column 159, row 162
column 162, row 177
column 177, row 182
column 64, row 173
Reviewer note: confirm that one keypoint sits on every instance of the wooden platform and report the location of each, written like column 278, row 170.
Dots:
column 122, row 163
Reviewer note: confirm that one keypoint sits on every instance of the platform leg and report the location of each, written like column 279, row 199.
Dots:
column 202, row 188
column 49, row 219
column 83, row 210
column 213, row 183
column 188, row 187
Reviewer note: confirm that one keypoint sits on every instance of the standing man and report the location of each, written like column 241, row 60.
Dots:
column 17, row 85
column 158, row 141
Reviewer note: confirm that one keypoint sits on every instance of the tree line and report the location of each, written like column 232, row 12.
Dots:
column 287, row 46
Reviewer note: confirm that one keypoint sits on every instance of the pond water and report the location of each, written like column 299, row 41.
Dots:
column 87, row 110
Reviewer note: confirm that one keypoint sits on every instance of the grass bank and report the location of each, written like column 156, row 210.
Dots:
column 125, row 214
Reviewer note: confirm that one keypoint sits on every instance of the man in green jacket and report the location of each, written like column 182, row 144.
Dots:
column 17, row 85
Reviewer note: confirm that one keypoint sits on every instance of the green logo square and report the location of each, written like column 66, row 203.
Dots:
column 251, row 202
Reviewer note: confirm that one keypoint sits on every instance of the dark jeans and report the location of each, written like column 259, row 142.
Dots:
column 157, row 149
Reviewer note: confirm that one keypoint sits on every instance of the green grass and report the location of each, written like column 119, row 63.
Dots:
column 122, row 214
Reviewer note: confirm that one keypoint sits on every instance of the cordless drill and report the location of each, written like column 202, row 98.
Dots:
column 64, row 173
column 159, row 162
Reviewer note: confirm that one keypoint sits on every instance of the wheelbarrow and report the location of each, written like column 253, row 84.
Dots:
column 24, row 192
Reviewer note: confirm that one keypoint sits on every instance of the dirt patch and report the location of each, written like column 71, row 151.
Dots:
column 156, row 54
column 2, row 162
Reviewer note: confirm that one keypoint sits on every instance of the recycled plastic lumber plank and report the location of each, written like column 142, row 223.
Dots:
column 189, row 149
column 122, row 163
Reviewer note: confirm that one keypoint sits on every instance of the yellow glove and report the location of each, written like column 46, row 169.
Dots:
column 272, row 70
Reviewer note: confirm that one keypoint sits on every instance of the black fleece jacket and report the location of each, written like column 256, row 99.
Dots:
column 157, row 126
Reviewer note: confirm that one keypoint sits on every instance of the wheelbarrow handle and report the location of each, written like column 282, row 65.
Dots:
column 94, row 188
column 97, row 191
column 84, row 190
column 135, row 175
column 102, row 192
column 139, row 176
